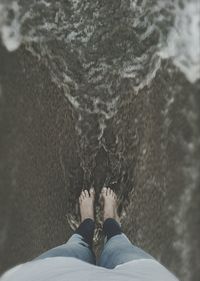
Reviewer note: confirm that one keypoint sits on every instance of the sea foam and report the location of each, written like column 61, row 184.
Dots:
column 10, row 26
column 183, row 42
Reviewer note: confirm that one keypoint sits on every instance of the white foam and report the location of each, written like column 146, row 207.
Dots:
column 73, row 100
column 47, row 4
column 132, row 71
column 183, row 42
column 10, row 32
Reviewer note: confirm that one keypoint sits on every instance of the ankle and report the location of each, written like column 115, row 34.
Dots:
column 111, row 228
column 86, row 230
column 108, row 216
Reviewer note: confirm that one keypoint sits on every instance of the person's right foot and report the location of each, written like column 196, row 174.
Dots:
column 110, row 204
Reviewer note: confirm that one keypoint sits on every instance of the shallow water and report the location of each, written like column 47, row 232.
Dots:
column 101, row 93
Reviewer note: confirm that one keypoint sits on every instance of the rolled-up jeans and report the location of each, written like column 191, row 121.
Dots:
column 117, row 247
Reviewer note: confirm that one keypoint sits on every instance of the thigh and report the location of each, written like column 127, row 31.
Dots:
column 75, row 247
column 119, row 250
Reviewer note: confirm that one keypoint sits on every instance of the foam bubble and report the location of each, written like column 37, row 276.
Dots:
column 10, row 28
column 183, row 43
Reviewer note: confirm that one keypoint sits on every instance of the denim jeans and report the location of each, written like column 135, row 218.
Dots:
column 117, row 250
column 75, row 247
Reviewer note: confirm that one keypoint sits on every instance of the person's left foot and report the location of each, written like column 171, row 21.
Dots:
column 86, row 202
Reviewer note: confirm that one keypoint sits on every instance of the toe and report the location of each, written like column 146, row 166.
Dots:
column 104, row 189
column 92, row 192
column 86, row 193
column 82, row 195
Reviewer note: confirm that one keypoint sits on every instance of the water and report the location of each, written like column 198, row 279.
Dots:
column 121, row 109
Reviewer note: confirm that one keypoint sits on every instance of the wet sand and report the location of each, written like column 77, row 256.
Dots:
column 41, row 175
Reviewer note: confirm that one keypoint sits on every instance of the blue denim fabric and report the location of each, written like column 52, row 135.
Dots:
column 75, row 247
column 117, row 250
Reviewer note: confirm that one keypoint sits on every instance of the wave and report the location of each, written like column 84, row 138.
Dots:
column 180, row 41
column 183, row 41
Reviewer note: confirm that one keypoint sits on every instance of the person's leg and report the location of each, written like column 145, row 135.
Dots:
column 80, row 244
column 117, row 248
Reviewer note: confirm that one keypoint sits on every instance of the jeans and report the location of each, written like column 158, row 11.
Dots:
column 117, row 247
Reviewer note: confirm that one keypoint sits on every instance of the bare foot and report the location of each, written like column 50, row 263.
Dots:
column 86, row 202
column 110, row 204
